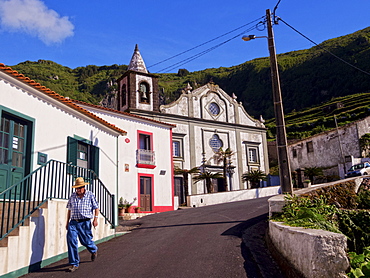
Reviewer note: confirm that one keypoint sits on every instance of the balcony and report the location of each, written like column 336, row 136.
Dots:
column 145, row 159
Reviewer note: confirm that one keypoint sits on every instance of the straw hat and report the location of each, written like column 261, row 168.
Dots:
column 79, row 183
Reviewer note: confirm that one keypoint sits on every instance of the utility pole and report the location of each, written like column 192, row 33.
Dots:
column 281, row 141
column 340, row 145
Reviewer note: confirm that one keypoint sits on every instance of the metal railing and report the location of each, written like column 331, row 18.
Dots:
column 145, row 157
column 54, row 180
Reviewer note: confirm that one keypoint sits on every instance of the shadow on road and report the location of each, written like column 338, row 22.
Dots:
column 189, row 224
column 258, row 261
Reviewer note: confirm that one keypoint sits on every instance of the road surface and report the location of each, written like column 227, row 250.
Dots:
column 215, row 241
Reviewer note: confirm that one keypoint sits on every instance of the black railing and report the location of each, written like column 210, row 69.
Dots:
column 54, row 180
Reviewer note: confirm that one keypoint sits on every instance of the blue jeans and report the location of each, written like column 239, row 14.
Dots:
column 82, row 230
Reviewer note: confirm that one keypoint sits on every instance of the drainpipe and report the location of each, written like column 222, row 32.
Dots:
column 117, row 172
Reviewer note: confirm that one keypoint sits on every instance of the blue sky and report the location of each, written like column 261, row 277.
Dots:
column 77, row 33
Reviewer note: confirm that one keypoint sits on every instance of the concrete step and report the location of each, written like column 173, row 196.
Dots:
column 43, row 239
column 9, row 222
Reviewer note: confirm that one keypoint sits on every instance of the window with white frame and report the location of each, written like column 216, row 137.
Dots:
column 177, row 148
column 253, row 155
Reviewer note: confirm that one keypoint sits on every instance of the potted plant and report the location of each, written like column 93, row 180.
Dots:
column 121, row 208
column 307, row 183
column 126, row 204
column 137, row 209
column 254, row 177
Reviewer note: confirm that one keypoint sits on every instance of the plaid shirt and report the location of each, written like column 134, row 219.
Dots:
column 82, row 208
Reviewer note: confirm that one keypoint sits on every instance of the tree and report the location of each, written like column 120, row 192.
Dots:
column 254, row 177
column 365, row 145
column 312, row 172
column 185, row 173
column 224, row 156
column 207, row 176
column 182, row 72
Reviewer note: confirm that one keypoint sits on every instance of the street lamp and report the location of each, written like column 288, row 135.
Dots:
column 281, row 141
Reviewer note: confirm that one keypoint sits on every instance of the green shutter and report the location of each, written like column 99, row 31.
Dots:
column 72, row 151
column 71, row 154
column 94, row 163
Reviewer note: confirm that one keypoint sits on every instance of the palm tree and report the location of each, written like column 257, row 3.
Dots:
column 312, row 172
column 254, row 177
column 207, row 176
column 223, row 156
column 185, row 173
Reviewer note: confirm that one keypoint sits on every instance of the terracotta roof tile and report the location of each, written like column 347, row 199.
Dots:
column 65, row 101
column 120, row 112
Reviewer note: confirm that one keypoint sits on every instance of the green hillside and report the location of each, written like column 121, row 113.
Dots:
column 311, row 81
column 308, row 77
column 319, row 118
column 88, row 83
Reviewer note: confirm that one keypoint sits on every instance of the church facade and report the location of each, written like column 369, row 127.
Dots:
column 207, row 120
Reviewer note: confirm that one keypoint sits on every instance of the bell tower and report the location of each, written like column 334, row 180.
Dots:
column 137, row 88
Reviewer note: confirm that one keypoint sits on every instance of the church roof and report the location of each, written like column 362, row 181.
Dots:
column 137, row 62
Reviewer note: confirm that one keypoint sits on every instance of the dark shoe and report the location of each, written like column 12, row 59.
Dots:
column 73, row 268
column 93, row 256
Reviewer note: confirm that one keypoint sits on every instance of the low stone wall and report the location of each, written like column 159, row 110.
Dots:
column 314, row 253
column 231, row 196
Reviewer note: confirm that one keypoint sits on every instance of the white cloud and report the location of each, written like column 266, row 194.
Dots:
column 34, row 18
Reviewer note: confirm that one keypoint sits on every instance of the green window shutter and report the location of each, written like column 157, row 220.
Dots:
column 71, row 154
column 94, row 163
column 72, row 151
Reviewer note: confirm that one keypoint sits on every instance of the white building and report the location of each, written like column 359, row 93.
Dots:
column 206, row 119
column 145, row 165
column 335, row 150
column 46, row 141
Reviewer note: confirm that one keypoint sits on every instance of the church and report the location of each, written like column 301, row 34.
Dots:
column 208, row 121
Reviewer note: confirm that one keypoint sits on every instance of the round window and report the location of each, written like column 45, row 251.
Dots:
column 214, row 108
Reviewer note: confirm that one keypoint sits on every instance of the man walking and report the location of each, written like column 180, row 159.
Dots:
column 82, row 206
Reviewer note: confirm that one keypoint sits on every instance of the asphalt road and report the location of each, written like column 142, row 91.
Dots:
column 215, row 241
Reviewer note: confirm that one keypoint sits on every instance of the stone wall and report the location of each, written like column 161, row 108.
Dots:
column 314, row 253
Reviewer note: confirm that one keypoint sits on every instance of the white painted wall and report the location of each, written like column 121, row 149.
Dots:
column 54, row 122
column 232, row 196
column 327, row 146
column 128, row 182
column 44, row 238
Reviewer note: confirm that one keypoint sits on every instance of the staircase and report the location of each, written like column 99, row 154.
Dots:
column 33, row 217
column 42, row 240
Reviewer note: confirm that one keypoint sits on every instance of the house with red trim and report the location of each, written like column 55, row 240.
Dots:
column 46, row 141
column 145, row 170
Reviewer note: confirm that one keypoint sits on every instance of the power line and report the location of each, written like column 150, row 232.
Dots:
column 191, row 58
column 323, row 48
column 205, row 43
column 274, row 12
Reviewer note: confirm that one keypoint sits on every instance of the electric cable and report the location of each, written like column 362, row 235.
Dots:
column 323, row 48
column 191, row 58
column 274, row 12
column 195, row 47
